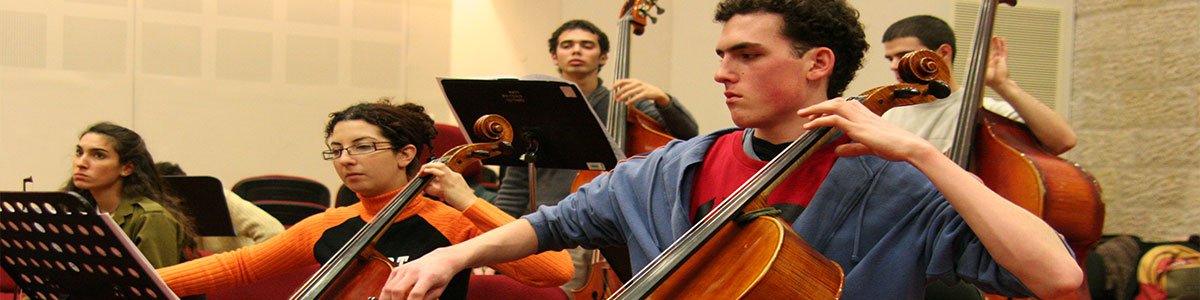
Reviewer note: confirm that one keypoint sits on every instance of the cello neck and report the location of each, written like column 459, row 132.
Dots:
column 964, row 135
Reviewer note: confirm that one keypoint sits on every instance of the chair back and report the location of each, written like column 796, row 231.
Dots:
column 282, row 187
column 289, row 212
column 448, row 137
column 345, row 197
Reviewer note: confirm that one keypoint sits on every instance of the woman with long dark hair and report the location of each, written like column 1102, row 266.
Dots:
column 113, row 168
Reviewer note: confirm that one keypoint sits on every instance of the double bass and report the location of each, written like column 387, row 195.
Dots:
column 773, row 260
column 633, row 131
column 1009, row 160
column 358, row 270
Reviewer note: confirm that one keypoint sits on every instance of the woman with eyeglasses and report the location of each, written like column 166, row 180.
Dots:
column 114, row 169
column 375, row 149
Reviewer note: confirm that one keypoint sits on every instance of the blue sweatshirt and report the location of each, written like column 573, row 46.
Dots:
column 884, row 222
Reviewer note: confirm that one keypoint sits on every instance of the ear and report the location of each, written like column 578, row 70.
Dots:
column 604, row 59
column 405, row 156
column 819, row 64
column 947, row 53
column 127, row 169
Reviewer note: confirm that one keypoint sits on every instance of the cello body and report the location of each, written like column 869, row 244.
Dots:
column 1066, row 196
column 601, row 281
column 763, row 269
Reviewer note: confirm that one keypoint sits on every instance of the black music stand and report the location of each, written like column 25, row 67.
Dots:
column 551, row 120
column 56, row 245
column 203, row 199
column 553, row 125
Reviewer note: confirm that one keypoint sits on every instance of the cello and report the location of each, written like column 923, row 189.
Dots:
column 1009, row 160
column 631, row 130
column 773, row 260
column 358, row 270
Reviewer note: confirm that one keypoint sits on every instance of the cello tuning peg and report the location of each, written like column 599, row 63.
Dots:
column 660, row 9
column 653, row 19
column 939, row 89
column 906, row 92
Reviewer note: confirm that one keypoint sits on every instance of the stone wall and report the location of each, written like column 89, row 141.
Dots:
column 1136, row 108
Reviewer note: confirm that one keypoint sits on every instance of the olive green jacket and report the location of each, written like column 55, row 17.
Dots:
column 155, row 232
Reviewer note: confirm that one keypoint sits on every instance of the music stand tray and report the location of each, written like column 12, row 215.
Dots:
column 56, row 245
column 551, row 114
column 203, row 199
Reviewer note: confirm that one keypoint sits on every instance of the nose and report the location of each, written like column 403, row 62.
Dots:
column 894, row 64
column 344, row 159
column 80, row 162
column 725, row 74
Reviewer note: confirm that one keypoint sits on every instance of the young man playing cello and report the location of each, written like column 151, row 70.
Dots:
column 877, row 211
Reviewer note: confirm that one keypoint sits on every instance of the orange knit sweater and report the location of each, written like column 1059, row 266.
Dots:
column 294, row 247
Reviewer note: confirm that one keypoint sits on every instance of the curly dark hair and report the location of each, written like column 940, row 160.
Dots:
column 930, row 30
column 813, row 23
column 404, row 124
column 581, row 25
column 144, row 181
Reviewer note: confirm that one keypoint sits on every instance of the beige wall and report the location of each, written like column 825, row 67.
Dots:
column 1135, row 107
column 237, row 88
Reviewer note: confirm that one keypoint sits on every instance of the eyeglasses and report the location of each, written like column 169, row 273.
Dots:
column 332, row 154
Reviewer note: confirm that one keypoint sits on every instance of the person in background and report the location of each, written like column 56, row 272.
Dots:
column 251, row 224
column 375, row 148
column 937, row 121
column 114, row 169
column 579, row 50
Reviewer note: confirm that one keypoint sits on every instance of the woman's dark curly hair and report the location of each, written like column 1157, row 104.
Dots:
column 144, row 181
column 813, row 23
column 404, row 124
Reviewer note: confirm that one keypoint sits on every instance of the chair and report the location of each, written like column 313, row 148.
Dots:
column 289, row 212
column 278, row 287
column 448, row 137
column 500, row 287
column 8, row 287
column 282, row 187
column 345, row 197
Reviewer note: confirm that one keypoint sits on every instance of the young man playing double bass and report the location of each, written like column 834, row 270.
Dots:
column 876, row 210
column 579, row 50
column 936, row 121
